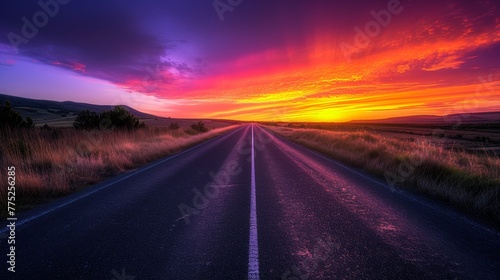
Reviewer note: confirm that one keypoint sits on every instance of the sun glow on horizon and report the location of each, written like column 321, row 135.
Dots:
column 420, row 63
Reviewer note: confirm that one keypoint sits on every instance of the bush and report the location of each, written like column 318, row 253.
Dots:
column 117, row 118
column 122, row 119
column 199, row 127
column 12, row 119
column 174, row 126
column 87, row 120
column 28, row 123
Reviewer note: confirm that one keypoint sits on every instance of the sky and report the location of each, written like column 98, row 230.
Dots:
column 280, row 60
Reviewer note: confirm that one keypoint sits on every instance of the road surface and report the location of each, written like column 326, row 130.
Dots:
column 248, row 205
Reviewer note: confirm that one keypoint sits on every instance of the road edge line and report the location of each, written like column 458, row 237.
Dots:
column 28, row 219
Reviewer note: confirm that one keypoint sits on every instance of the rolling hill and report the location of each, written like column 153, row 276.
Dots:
column 469, row 118
column 67, row 107
column 63, row 114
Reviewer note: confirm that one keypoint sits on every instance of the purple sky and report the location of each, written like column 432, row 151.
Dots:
column 173, row 57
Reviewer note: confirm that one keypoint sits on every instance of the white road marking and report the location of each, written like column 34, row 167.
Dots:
column 253, row 246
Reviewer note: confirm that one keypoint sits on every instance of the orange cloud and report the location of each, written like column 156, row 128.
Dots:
column 404, row 71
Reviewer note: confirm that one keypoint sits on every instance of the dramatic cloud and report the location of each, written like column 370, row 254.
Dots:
column 299, row 60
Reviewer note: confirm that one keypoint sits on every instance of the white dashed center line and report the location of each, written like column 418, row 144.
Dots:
column 253, row 246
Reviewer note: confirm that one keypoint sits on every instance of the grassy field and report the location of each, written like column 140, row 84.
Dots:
column 56, row 162
column 53, row 119
column 468, row 181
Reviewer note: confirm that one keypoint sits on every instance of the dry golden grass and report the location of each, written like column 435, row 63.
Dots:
column 468, row 181
column 57, row 162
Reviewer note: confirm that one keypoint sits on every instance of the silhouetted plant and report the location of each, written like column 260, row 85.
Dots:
column 117, row 118
column 122, row 119
column 174, row 126
column 87, row 120
column 199, row 127
column 12, row 119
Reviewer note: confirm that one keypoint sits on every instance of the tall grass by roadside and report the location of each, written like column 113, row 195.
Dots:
column 52, row 163
column 468, row 181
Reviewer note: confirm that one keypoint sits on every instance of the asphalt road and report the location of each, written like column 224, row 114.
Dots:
column 248, row 205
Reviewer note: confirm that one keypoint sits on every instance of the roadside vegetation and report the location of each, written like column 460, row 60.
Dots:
column 12, row 119
column 468, row 181
column 54, row 162
column 118, row 118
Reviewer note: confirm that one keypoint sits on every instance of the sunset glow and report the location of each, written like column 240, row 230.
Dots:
column 284, row 61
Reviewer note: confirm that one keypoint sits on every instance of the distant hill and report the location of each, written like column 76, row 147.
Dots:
column 66, row 107
column 470, row 118
column 63, row 114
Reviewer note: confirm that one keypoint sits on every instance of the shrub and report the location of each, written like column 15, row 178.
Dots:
column 87, row 120
column 199, row 127
column 117, row 118
column 12, row 119
column 122, row 119
column 174, row 126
